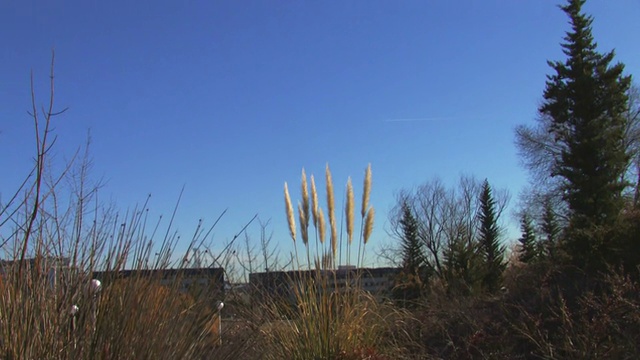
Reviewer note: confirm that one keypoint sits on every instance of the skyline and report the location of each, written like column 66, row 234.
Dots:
column 232, row 100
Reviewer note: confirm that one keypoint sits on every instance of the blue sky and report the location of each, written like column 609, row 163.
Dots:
column 233, row 98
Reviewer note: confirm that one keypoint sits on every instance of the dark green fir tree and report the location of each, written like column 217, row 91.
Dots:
column 413, row 258
column 550, row 231
column 410, row 282
column 585, row 99
column 489, row 240
column 528, row 251
column 463, row 264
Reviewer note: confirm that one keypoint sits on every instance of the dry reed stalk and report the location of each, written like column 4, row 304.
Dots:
column 124, row 318
column 314, row 205
column 289, row 209
column 334, row 237
column 365, row 233
column 314, row 210
column 366, row 193
column 304, row 230
column 332, row 214
column 349, row 210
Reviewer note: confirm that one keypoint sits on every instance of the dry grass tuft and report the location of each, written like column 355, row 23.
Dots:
column 319, row 316
column 56, row 237
column 327, row 325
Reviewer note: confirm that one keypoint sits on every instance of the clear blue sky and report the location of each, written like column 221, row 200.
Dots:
column 233, row 98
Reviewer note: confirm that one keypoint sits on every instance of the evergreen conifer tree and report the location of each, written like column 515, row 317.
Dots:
column 528, row 251
column 489, row 242
column 586, row 99
column 410, row 282
column 413, row 258
column 463, row 264
column 550, row 230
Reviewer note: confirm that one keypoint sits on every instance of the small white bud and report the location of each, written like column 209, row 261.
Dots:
column 95, row 286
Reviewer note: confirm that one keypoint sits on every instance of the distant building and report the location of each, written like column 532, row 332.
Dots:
column 59, row 272
column 57, row 269
column 377, row 281
column 197, row 281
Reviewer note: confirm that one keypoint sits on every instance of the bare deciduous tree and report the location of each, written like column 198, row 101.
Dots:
column 443, row 214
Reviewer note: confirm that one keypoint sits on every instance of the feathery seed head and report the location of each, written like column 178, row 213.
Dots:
column 321, row 226
column 289, row 210
column 349, row 210
column 368, row 224
column 366, row 191
column 332, row 212
column 330, row 198
column 303, row 224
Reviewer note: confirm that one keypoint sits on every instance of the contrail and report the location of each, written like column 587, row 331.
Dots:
column 419, row 119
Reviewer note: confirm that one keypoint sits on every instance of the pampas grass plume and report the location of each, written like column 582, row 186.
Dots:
column 303, row 224
column 330, row 198
column 366, row 191
column 289, row 209
column 349, row 210
column 368, row 224
column 321, row 225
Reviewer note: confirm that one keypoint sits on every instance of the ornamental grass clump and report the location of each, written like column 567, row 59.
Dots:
column 327, row 315
column 310, row 212
column 326, row 324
